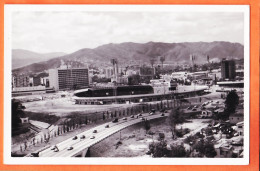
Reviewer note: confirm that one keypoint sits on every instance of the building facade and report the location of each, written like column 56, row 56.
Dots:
column 228, row 69
column 68, row 79
column 21, row 81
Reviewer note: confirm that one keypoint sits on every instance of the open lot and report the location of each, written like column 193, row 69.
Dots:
column 135, row 141
column 64, row 106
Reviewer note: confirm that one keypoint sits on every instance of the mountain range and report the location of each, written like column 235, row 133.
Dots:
column 21, row 57
column 127, row 53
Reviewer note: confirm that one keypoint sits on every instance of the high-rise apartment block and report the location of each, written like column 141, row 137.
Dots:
column 228, row 69
column 68, row 79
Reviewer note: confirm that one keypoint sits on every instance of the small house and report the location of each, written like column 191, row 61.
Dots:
column 236, row 118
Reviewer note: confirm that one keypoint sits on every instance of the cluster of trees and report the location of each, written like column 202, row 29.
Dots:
column 231, row 103
column 175, row 117
column 204, row 146
column 97, row 79
column 17, row 113
column 147, row 125
column 159, row 149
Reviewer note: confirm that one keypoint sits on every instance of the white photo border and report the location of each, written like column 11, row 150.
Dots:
column 8, row 9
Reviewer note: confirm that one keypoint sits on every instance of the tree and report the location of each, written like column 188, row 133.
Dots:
column 147, row 125
column 104, row 117
column 209, row 150
column 134, row 79
column 17, row 113
column 205, row 148
column 175, row 118
column 162, row 59
column 86, row 120
column 177, row 151
column 159, row 149
column 231, row 102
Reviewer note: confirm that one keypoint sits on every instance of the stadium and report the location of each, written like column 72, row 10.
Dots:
column 134, row 94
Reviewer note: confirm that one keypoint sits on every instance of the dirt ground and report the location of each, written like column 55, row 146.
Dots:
column 64, row 106
column 135, row 141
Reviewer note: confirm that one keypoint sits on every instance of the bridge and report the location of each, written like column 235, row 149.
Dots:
column 80, row 147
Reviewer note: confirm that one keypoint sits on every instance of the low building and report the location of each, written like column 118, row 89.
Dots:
column 20, row 81
column 224, row 150
column 24, row 120
column 25, row 91
column 240, row 128
column 236, row 118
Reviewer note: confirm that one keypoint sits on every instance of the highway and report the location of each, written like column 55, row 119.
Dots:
column 80, row 145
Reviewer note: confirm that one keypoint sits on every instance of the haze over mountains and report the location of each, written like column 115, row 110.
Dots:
column 21, row 58
column 127, row 52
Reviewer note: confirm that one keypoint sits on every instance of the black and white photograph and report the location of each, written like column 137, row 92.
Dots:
column 126, row 84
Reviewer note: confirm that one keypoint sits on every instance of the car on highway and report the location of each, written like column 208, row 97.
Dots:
column 95, row 131
column 34, row 154
column 151, row 113
column 92, row 137
column 189, row 108
column 124, row 119
column 69, row 148
column 195, row 106
column 74, row 138
column 205, row 103
column 115, row 120
column 107, row 126
column 142, row 119
column 82, row 137
column 53, row 147
column 194, row 109
column 56, row 150
column 162, row 114
column 132, row 116
column 162, row 110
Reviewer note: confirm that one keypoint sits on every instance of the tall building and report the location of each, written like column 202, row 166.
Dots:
column 68, row 79
column 108, row 72
column 228, row 69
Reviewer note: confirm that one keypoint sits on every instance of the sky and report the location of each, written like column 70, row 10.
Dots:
column 46, row 32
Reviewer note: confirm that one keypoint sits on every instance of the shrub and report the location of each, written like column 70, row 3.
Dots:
column 159, row 149
column 181, row 132
column 161, row 136
column 177, row 151
column 150, row 132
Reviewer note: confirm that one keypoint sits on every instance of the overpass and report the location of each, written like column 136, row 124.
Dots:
column 81, row 146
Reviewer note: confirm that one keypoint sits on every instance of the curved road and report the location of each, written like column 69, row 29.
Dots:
column 80, row 145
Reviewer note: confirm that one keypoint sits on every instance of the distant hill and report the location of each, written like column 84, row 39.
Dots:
column 21, row 57
column 142, row 53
